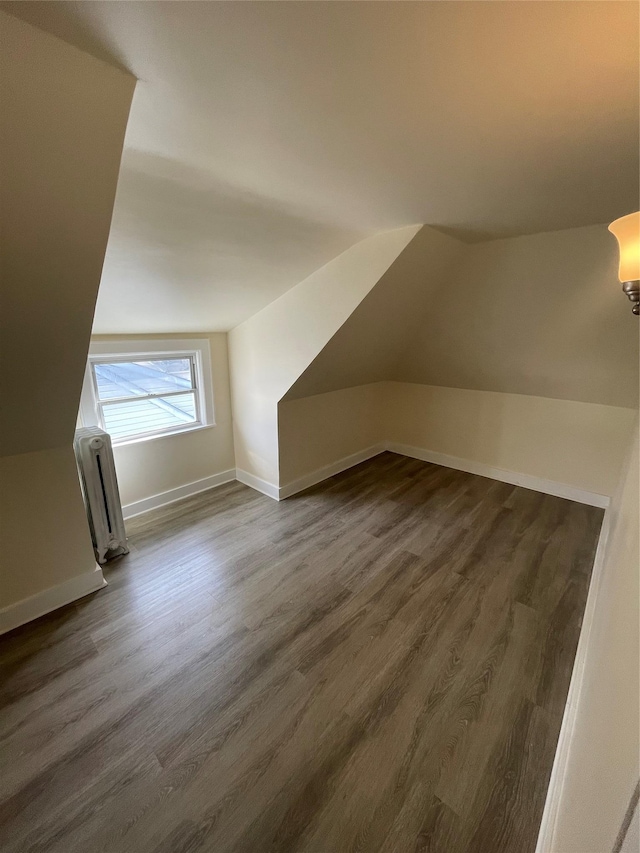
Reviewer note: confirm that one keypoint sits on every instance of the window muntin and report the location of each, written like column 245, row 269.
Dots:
column 135, row 395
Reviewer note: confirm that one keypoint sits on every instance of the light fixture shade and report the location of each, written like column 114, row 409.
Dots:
column 627, row 232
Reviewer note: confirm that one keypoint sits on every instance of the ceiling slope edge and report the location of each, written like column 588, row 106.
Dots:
column 368, row 345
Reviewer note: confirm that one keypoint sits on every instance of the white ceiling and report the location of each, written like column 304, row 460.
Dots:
column 265, row 138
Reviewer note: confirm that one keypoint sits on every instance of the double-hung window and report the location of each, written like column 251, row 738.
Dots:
column 136, row 390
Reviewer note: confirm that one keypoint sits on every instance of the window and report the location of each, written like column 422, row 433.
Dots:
column 137, row 390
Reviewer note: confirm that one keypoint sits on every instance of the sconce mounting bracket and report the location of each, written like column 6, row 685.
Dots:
column 632, row 289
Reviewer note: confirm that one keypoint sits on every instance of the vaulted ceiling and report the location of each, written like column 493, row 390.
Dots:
column 266, row 138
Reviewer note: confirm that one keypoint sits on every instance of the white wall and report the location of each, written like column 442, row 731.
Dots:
column 631, row 842
column 149, row 468
column 603, row 765
column 540, row 315
column 367, row 347
column 320, row 430
column 64, row 116
column 45, row 536
column 578, row 444
column 269, row 351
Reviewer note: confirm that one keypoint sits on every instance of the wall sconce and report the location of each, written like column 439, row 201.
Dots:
column 626, row 230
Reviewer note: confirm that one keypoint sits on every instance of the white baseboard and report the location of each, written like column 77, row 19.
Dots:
column 327, row 471
column 177, row 494
column 50, row 599
column 561, row 761
column 281, row 492
column 527, row 481
column 257, row 483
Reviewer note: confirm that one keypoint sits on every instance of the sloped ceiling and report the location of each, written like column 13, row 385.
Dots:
column 269, row 351
column 265, row 138
column 368, row 346
column 540, row 315
column 64, row 117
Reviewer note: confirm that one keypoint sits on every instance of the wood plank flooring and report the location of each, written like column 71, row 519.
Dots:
column 378, row 664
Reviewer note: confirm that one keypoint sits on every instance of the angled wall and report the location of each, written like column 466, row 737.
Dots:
column 527, row 363
column 269, row 351
column 540, row 315
column 64, row 118
column 367, row 347
column 517, row 354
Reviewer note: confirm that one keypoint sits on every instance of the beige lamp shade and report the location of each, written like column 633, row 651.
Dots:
column 626, row 230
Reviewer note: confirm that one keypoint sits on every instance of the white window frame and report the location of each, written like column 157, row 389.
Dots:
column 105, row 351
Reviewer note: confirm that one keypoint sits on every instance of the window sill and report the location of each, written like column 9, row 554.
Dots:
column 127, row 441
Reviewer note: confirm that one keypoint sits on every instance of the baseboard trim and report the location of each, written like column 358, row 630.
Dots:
column 177, row 494
column 279, row 493
column 50, row 599
column 320, row 474
column 527, row 481
column 257, row 483
column 561, row 761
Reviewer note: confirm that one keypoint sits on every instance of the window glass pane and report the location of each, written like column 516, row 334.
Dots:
column 138, row 378
column 137, row 417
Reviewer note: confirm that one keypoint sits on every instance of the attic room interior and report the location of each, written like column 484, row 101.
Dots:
column 319, row 450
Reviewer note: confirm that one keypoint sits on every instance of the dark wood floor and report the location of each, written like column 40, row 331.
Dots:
column 379, row 664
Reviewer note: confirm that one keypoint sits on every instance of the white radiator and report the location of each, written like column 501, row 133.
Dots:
column 94, row 455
